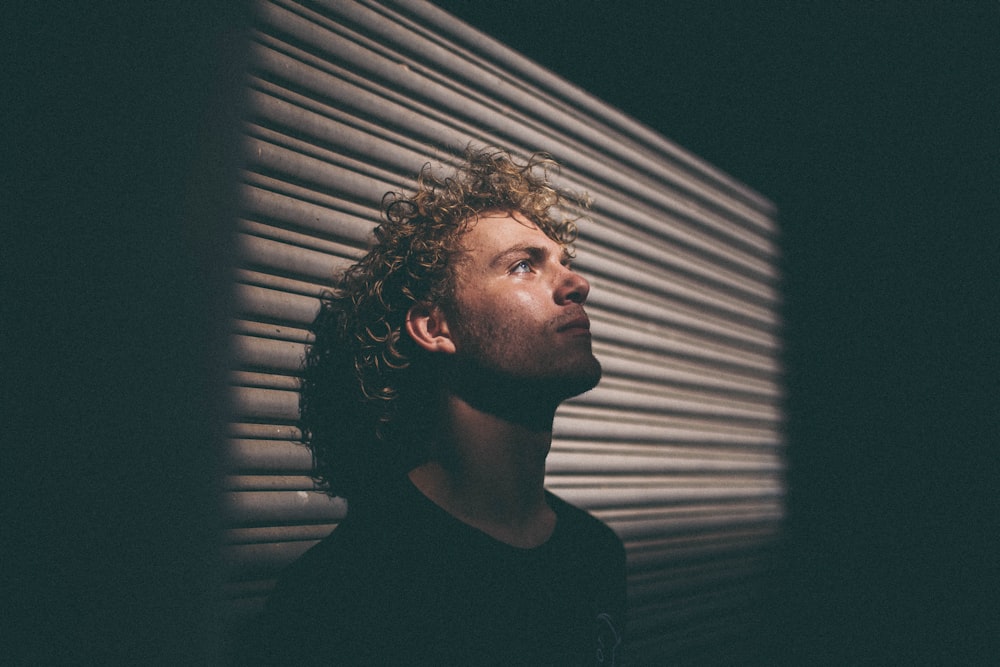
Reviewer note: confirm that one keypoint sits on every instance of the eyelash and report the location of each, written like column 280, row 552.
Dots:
column 530, row 267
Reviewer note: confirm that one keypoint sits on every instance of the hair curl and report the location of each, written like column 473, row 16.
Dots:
column 363, row 411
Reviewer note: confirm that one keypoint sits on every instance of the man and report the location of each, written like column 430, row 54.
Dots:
column 428, row 400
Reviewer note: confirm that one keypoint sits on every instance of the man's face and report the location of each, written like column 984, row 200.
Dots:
column 518, row 315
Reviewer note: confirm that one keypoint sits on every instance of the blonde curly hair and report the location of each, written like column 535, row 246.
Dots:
column 359, row 411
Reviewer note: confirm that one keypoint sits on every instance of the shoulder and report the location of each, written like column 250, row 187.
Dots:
column 331, row 567
column 368, row 545
column 580, row 523
column 580, row 531
column 322, row 574
column 329, row 597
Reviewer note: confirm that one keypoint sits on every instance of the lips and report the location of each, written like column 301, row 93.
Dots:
column 575, row 324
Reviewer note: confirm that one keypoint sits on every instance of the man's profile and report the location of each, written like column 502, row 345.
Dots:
column 428, row 400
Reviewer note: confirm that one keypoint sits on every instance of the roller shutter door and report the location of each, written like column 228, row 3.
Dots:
column 679, row 449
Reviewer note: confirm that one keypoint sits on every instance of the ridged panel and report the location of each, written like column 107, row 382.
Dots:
column 679, row 449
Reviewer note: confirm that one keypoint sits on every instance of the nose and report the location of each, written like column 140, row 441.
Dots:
column 572, row 288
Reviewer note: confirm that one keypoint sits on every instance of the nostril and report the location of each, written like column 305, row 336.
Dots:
column 576, row 289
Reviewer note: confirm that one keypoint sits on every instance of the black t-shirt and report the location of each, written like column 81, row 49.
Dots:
column 402, row 582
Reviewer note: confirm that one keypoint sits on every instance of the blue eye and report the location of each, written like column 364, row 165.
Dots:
column 524, row 266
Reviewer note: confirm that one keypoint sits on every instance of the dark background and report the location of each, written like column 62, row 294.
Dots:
column 873, row 126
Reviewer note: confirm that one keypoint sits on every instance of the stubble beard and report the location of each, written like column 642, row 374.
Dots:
column 504, row 371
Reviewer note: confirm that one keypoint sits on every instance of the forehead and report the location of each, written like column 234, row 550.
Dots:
column 499, row 231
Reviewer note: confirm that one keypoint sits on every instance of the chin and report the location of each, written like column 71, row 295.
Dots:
column 584, row 379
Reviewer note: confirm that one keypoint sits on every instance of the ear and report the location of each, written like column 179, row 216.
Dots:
column 428, row 327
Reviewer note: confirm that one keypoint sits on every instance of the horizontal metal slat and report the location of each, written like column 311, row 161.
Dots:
column 699, row 305
column 257, row 380
column 649, row 336
column 321, row 214
column 532, row 103
column 278, row 283
column 645, row 397
column 380, row 65
column 265, row 534
column 264, row 353
column 625, row 447
column 688, row 520
column 636, row 533
column 288, row 260
column 649, row 496
column 268, row 482
column 612, row 230
column 265, row 404
column 594, row 423
column 268, row 455
column 664, row 552
column 621, row 131
column 646, row 365
column 247, row 508
column 392, row 150
column 255, row 431
column 268, row 305
column 619, row 298
column 371, row 80
column 273, row 159
column 344, row 95
column 271, row 332
column 297, row 239
column 675, row 220
column 326, row 133
column 607, row 463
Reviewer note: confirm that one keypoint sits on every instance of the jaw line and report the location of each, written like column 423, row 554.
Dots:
column 529, row 401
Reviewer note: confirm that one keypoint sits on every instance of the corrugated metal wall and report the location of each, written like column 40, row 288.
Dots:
column 679, row 448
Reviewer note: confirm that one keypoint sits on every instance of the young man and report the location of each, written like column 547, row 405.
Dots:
column 428, row 400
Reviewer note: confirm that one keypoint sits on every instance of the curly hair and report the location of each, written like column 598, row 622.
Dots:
column 363, row 410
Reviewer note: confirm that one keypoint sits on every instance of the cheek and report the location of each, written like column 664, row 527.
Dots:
column 517, row 309
column 525, row 299
column 502, row 308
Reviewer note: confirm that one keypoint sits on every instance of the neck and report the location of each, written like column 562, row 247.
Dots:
column 489, row 471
